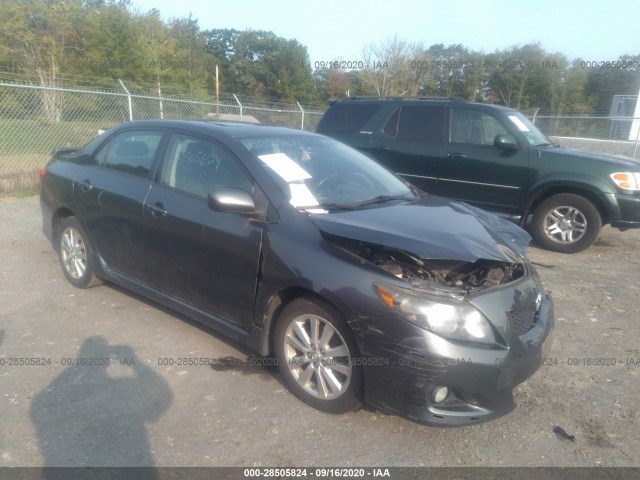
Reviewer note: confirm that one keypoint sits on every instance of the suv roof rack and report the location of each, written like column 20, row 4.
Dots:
column 398, row 98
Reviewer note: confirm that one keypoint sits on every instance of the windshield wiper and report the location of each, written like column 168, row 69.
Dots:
column 362, row 203
column 380, row 199
column 334, row 206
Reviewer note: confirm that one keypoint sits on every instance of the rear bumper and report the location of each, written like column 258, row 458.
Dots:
column 479, row 380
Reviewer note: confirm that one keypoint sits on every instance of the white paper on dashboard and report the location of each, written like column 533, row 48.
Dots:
column 301, row 196
column 521, row 126
column 289, row 170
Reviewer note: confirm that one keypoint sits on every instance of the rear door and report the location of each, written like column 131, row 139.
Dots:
column 109, row 193
column 474, row 170
column 202, row 257
column 411, row 142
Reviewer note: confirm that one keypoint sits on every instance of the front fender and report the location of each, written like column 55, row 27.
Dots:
column 595, row 188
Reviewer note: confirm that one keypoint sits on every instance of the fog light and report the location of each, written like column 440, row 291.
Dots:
column 439, row 394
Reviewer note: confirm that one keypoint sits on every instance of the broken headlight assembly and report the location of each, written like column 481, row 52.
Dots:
column 446, row 317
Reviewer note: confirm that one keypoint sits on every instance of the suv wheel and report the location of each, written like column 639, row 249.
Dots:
column 566, row 223
column 315, row 351
column 74, row 254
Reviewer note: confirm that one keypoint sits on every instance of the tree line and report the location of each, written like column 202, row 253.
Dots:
column 96, row 42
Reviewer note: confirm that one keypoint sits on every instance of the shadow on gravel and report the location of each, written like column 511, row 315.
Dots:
column 88, row 417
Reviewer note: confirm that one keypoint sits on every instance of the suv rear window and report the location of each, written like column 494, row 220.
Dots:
column 341, row 118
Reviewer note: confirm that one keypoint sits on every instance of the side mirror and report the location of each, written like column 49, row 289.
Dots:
column 231, row 200
column 506, row 142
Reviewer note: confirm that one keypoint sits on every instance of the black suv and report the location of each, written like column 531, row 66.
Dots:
column 495, row 158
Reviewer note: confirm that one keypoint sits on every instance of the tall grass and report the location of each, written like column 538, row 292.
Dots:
column 22, row 184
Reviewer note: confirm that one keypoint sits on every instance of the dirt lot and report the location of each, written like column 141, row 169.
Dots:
column 141, row 411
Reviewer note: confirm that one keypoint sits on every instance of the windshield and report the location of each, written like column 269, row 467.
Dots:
column 321, row 173
column 534, row 136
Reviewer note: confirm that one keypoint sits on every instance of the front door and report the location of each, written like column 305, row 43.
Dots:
column 202, row 257
column 477, row 172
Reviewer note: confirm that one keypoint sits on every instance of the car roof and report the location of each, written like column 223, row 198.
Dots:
column 415, row 100
column 218, row 128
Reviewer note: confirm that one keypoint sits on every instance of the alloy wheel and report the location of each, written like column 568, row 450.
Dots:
column 74, row 253
column 317, row 357
column 565, row 224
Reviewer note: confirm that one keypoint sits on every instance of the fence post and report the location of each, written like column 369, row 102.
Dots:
column 234, row 96
column 635, row 148
column 302, row 110
column 129, row 99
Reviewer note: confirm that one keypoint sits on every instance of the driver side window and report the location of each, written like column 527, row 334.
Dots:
column 199, row 166
column 474, row 127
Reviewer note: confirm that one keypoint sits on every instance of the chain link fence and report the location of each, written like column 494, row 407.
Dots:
column 34, row 120
column 612, row 135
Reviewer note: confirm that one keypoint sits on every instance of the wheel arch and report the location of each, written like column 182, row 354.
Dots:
column 58, row 215
column 585, row 191
column 276, row 304
column 65, row 212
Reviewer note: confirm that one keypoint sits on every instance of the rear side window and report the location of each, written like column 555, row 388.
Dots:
column 343, row 118
column 417, row 124
column 130, row 152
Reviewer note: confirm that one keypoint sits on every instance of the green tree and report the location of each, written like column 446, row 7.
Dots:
column 604, row 83
column 263, row 64
column 193, row 65
column 39, row 34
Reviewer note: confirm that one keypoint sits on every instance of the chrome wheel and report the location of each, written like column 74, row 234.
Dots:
column 317, row 357
column 565, row 224
column 73, row 252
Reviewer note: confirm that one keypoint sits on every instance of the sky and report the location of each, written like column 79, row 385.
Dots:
column 593, row 30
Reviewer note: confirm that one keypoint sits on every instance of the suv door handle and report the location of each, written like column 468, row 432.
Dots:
column 383, row 147
column 85, row 185
column 456, row 155
column 157, row 209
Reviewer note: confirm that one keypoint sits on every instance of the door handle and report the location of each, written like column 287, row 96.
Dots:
column 383, row 147
column 156, row 209
column 85, row 185
column 456, row 155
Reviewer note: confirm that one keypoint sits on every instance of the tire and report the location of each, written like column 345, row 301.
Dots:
column 566, row 223
column 74, row 254
column 330, row 382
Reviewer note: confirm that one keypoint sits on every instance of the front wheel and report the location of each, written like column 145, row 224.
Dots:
column 566, row 223
column 74, row 254
column 315, row 351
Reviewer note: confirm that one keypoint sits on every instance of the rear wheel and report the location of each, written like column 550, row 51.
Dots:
column 315, row 351
column 566, row 223
column 74, row 254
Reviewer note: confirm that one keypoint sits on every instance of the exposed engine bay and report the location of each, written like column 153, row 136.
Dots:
column 424, row 273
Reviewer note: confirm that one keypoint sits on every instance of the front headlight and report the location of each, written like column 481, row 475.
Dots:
column 448, row 318
column 627, row 180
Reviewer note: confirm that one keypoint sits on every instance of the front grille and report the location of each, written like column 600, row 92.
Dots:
column 522, row 319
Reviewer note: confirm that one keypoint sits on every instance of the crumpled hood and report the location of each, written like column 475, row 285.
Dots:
column 431, row 228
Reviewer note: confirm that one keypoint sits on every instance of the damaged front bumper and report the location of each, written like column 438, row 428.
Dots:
column 430, row 379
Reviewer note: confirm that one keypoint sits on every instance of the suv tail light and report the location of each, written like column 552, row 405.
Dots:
column 41, row 174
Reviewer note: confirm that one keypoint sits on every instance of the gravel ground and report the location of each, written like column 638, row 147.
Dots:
column 137, row 412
